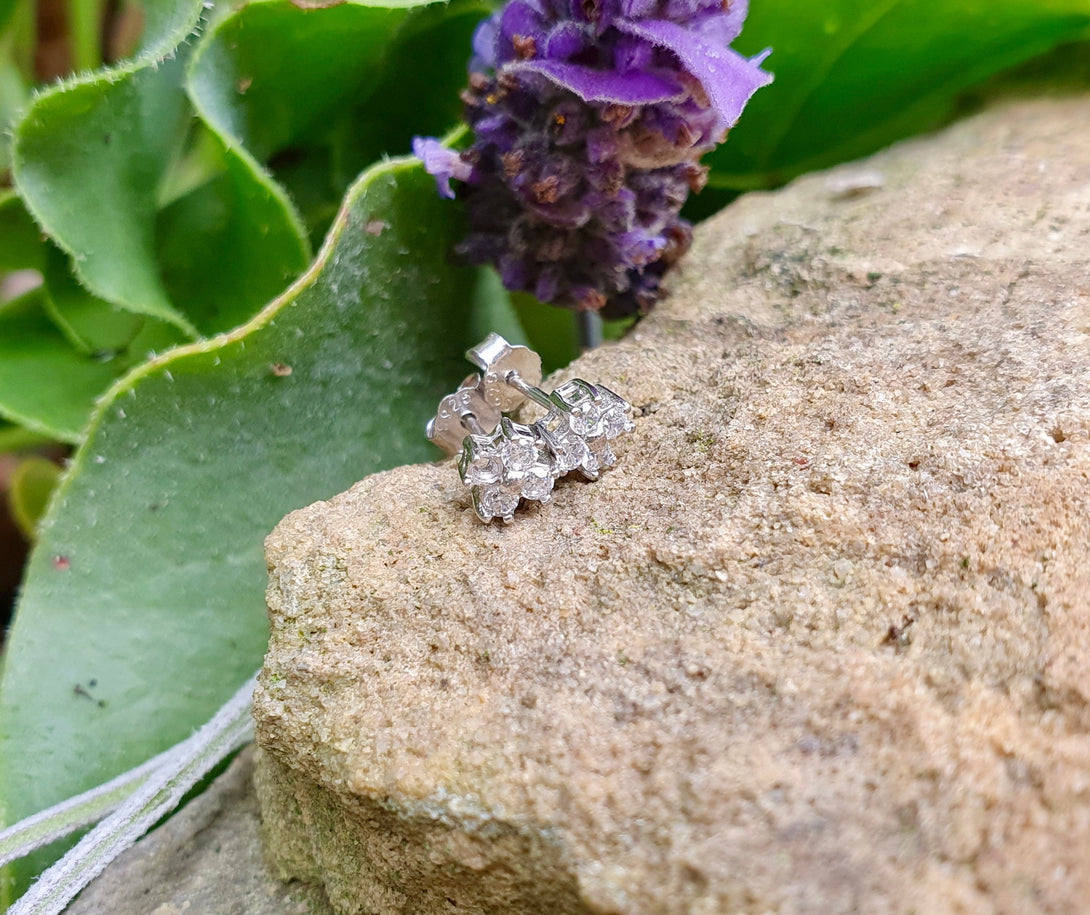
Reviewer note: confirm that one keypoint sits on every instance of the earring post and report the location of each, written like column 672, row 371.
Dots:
column 535, row 394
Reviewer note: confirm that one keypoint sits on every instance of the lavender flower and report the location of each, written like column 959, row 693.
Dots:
column 441, row 163
column 589, row 120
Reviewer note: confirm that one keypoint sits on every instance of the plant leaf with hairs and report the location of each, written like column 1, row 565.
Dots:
column 146, row 588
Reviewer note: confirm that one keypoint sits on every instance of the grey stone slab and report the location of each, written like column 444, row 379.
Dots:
column 206, row 860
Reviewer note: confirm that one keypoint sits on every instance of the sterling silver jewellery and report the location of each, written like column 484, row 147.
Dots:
column 502, row 461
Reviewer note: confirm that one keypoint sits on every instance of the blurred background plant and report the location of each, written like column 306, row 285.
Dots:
column 175, row 332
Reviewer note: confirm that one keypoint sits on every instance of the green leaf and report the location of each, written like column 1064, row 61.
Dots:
column 272, row 71
column 7, row 7
column 13, row 95
column 229, row 245
column 70, row 815
column 179, row 772
column 161, row 217
column 319, row 94
column 493, row 311
column 418, row 91
column 31, row 483
column 85, row 27
column 60, row 347
column 21, row 245
column 16, row 438
column 46, row 385
column 95, row 327
column 88, row 156
column 18, row 50
column 615, row 329
column 854, row 75
column 148, row 576
column 550, row 330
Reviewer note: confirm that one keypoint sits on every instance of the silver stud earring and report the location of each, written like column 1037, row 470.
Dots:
column 504, row 462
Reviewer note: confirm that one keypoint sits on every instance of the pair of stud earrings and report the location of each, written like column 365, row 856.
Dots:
column 502, row 461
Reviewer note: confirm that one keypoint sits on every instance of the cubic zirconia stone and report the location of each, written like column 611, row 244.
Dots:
column 570, row 450
column 537, row 485
column 485, row 468
column 546, row 462
column 584, row 418
column 603, row 453
column 496, row 503
column 523, row 462
column 614, row 422
column 583, row 408
column 566, row 447
column 519, row 454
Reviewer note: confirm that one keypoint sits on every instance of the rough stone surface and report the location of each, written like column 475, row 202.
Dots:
column 818, row 643
column 206, row 860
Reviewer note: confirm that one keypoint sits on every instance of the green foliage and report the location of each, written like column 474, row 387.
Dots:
column 21, row 244
column 169, row 238
column 172, row 198
column 105, row 145
column 100, row 145
column 551, row 330
column 45, row 384
column 31, row 483
column 148, row 576
column 854, row 75
column 7, row 7
column 362, row 81
column 60, row 346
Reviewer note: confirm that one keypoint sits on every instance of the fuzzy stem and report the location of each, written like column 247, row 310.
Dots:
column 75, row 813
column 85, row 33
column 182, row 767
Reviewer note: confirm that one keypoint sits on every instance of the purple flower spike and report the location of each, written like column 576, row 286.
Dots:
column 589, row 121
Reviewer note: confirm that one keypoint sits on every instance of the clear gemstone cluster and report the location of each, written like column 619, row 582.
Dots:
column 512, row 463
column 523, row 462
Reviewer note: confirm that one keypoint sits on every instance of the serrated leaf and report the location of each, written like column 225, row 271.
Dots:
column 87, row 160
column 148, row 577
column 96, row 159
column 854, row 75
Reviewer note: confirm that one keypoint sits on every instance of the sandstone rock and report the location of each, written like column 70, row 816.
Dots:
column 205, row 860
column 818, row 643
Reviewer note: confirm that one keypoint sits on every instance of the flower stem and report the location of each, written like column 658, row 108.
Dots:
column 588, row 326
